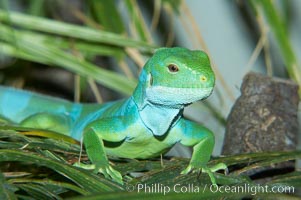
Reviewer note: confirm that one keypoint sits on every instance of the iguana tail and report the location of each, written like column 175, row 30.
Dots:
column 17, row 105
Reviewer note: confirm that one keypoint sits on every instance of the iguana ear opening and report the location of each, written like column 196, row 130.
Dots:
column 145, row 81
column 149, row 80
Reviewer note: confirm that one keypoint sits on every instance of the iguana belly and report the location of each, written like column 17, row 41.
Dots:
column 143, row 145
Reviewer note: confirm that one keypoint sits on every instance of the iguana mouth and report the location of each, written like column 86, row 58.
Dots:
column 172, row 90
column 173, row 96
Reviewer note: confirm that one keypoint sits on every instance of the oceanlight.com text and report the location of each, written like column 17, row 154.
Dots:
column 251, row 189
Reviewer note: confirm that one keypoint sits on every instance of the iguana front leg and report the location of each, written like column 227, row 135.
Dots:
column 202, row 140
column 93, row 137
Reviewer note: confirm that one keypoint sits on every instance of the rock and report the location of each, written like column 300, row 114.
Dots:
column 264, row 117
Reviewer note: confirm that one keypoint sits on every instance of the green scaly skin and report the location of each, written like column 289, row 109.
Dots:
column 145, row 125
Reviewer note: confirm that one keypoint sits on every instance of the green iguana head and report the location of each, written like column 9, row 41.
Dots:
column 176, row 76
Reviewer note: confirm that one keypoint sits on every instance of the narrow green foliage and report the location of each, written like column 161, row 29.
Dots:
column 277, row 24
column 106, row 13
column 69, row 30
column 27, row 153
column 6, row 190
column 35, row 7
column 78, row 176
column 174, row 4
column 28, row 47
column 139, row 27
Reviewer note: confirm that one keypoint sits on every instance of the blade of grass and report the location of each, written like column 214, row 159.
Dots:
column 256, row 157
column 85, row 180
column 277, row 25
column 49, row 183
column 171, row 33
column 138, row 24
column 290, row 179
column 36, row 7
column 7, row 190
column 156, row 14
column 69, row 30
column 31, row 48
column 37, row 53
column 38, row 191
column 174, row 4
column 106, row 13
column 18, row 139
column 40, row 133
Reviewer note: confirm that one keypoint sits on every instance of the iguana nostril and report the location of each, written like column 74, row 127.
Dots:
column 203, row 78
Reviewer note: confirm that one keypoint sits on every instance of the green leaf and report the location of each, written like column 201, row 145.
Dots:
column 82, row 178
column 167, row 175
column 54, row 186
column 277, row 25
column 69, row 30
column 36, row 7
column 28, row 47
column 7, row 190
column 106, row 13
column 174, row 4
column 139, row 27
column 290, row 179
column 38, row 191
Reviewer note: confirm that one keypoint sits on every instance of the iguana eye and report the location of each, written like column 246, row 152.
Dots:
column 173, row 68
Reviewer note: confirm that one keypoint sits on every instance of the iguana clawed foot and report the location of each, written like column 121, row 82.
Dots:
column 208, row 170
column 106, row 170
